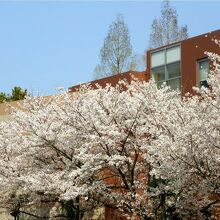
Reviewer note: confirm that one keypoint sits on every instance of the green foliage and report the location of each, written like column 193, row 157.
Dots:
column 17, row 94
column 3, row 97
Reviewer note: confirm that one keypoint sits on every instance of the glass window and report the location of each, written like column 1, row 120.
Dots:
column 158, row 58
column 173, row 54
column 158, row 73
column 165, row 67
column 174, row 83
column 203, row 72
column 159, row 84
column 173, row 70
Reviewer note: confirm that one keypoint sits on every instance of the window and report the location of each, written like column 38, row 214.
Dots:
column 165, row 67
column 203, row 67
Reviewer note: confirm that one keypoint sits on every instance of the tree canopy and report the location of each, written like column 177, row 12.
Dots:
column 166, row 30
column 144, row 151
column 116, row 50
column 17, row 94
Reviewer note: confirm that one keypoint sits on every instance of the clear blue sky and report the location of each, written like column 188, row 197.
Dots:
column 44, row 45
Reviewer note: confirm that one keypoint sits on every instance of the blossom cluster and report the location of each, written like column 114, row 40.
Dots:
column 146, row 151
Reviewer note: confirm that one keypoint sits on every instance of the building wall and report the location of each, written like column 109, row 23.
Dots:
column 113, row 80
column 192, row 50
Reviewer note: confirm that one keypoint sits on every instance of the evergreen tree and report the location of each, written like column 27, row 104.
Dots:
column 18, row 93
column 3, row 97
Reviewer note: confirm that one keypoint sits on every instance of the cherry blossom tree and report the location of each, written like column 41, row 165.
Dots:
column 143, row 151
column 89, row 148
column 189, row 148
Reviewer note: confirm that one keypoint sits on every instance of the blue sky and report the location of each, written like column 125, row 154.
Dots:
column 45, row 44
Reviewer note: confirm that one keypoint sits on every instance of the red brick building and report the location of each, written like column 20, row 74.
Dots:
column 181, row 65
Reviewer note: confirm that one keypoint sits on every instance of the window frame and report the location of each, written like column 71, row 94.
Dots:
column 166, row 76
column 198, row 70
